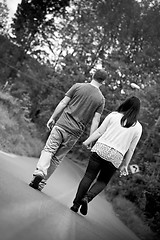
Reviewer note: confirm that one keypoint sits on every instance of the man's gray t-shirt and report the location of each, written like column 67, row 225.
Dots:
column 85, row 101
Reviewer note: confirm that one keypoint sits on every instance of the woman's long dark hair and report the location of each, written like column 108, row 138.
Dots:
column 130, row 108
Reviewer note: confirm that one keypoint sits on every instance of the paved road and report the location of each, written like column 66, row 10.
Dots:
column 27, row 214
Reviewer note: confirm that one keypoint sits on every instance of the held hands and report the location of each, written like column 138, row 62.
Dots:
column 50, row 123
column 123, row 171
column 88, row 146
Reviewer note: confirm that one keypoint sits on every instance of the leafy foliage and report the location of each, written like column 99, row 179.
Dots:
column 3, row 17
column 32, row 16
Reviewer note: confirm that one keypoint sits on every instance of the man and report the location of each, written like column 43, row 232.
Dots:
column 82, row 103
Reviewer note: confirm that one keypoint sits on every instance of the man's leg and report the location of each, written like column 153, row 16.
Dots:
column 68, row 141
column 52, row 145
column 43, row 163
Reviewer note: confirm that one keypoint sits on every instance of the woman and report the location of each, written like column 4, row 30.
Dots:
column 117, row 137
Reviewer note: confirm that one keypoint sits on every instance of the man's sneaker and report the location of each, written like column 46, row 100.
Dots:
column 35, row 182
column 84, row 207
column 75, row 207
column 41, row 185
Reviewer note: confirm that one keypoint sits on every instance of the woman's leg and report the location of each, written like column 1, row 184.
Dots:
column 106, row 173
column 89, row 176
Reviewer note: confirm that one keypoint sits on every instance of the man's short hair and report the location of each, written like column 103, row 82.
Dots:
column 100, row 75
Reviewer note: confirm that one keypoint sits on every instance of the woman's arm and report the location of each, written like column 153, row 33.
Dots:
column 93, row 137
column 98, row 133
column 128, row 156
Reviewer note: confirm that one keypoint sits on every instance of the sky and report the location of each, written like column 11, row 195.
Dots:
column 12, row 6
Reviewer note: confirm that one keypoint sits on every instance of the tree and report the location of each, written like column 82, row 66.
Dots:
column 33, row 15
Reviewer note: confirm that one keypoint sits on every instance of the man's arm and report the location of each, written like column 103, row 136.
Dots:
column 96, row 118
column 62, row 104
column 95, row 122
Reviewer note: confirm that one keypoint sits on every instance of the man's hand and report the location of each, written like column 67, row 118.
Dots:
column 50, row 123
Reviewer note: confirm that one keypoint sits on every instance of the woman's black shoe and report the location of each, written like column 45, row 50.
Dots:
column 75, row 207
column 84, row 207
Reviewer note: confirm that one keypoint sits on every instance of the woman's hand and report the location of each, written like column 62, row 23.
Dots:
column 88, row 146
column 123, row 170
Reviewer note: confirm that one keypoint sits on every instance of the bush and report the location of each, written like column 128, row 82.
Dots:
column 127, row 212
column 18, row 135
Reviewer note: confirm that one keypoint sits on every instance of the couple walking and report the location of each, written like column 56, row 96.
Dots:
column 114, row 140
